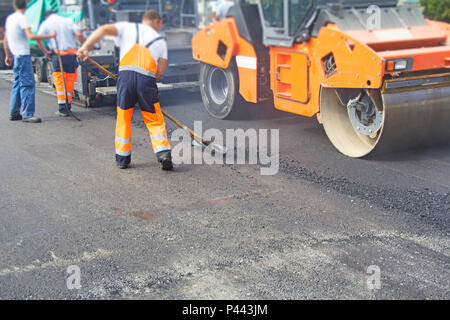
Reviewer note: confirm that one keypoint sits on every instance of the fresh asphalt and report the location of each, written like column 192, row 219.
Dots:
column 214, row 231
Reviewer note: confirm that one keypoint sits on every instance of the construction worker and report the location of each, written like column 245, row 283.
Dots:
column 222, row 9
column 143, row 60
column 68, row 33
column 17, row 52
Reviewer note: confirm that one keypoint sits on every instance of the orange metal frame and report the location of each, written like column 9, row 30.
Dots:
column 358, row 66
column 297, row 73
column 224, row 35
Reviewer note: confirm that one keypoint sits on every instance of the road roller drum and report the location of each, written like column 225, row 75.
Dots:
column 377, row 76
column 409, row 119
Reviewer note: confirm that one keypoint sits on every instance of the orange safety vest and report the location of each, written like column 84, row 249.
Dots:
column 139, row 58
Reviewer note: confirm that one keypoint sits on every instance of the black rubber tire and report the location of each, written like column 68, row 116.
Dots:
column 83, row 99
column 44, row 67
column 49, row 71
column 226, row 104
column 91, row 102
column 39, row 73
column 2, row 59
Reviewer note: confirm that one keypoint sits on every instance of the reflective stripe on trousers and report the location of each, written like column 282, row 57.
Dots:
column 157, row 129
column 123, row 132
column 70, row 78
column 154, row 123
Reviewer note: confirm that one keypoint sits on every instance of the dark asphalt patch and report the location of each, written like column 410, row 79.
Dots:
column 431, row 206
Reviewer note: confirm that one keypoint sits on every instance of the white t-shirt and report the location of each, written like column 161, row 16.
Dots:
column 127, row 39
column 65, row 29
column 223, row 9
column 15, row 26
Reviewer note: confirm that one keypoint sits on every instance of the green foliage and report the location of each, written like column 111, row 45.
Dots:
column 437, row 9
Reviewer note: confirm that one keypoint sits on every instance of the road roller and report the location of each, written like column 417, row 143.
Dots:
column 376, row 74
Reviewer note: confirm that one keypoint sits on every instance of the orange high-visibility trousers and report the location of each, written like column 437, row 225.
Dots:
column 70, row 65
column 155, row 124
column 70, row 78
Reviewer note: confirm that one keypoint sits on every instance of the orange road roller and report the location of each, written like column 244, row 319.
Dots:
column 375, row 73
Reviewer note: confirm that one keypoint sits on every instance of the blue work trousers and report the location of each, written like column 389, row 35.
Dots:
column 24, row 87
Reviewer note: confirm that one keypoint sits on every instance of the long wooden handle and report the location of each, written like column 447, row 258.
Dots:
column 96, row 64
column 190, row 131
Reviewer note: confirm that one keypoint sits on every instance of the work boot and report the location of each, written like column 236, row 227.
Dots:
column 123, row 162
column 122, row 166
column 61, row 114
column 32, row 120
column 166, row 161
column 15, row 117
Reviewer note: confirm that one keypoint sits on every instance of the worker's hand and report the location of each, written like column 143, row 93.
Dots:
column 53, row 34
column 83, row 53
column 9, row 61
column 48, row 54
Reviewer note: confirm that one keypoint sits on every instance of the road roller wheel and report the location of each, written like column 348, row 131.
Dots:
column 352, row 119
column 49, row 71
column 40, row 74
column 219, row 89
column 2, row 59
column 90, row 101
column 360, row 122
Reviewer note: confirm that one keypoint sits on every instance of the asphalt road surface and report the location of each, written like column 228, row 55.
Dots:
column 321, row 228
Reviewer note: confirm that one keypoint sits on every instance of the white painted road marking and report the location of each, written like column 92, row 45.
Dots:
column 57, row 262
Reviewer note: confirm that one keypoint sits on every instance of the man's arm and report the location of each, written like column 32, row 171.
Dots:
column 161, row 68
column 79, row 36
column 96, row 36
column 8, row 54
column 43, row 30
column 32, row 36
column 44, row 49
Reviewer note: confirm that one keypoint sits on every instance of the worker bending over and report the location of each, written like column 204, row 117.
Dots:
column 17, row 51
column 143, row 60
column 68, row 32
